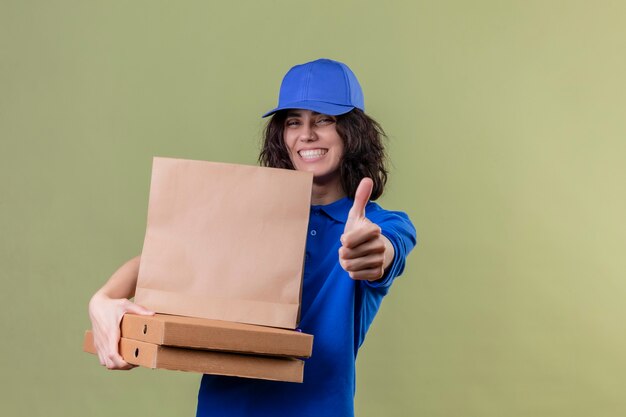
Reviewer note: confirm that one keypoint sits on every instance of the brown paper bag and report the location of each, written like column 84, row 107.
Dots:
column 225, row 242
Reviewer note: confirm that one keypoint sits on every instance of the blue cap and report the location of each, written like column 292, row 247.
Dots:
column 324, row 86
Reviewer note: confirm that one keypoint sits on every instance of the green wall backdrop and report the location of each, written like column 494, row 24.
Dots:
column 507, row 134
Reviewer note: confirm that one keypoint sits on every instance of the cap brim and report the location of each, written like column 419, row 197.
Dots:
column 316, row 106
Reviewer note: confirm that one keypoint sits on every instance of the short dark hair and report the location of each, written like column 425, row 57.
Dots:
column 364, row 152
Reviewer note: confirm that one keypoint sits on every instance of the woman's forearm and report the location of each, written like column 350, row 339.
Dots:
column 123, row 281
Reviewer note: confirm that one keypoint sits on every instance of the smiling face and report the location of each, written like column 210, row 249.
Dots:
column 314, row 145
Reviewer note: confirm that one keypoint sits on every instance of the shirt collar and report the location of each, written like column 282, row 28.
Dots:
column 337, row 210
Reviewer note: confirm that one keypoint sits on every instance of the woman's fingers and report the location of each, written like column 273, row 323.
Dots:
column 369, row 255
column 118, row 363
column 364, row 262
column 130, row 307
column 100, row 358
column 107, row 345
column 372, row 246
column 112, row 348
column 370, row 274
column 360, row 234
column 106, row 315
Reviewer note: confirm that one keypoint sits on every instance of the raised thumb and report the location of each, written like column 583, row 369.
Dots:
column 361, row 197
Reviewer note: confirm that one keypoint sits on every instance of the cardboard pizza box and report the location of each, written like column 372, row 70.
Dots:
column 154, row 356
column 218, row 335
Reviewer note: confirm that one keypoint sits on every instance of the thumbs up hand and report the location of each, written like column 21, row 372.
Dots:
column 364, row 252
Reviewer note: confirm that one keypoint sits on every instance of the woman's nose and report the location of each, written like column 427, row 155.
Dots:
column 307, row 133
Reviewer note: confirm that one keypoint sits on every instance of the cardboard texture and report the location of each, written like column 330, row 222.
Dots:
column 154, row 356
column 225, row 242
column 198, row 333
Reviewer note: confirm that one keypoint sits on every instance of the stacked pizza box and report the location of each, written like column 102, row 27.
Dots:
column 212, row 347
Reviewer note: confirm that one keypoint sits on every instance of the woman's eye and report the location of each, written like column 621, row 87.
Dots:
column 325, row 121
column 292, row 123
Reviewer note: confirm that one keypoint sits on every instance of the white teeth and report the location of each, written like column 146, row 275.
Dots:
column 312, row 153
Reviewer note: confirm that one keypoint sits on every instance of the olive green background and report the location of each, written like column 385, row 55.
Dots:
column 507, row 133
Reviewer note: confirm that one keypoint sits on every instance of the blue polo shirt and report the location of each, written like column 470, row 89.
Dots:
column 336, row 310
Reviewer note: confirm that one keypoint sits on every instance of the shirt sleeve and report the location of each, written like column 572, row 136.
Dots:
column 397, row 227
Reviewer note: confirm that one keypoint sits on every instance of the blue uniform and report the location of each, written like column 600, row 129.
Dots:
column 336, row 310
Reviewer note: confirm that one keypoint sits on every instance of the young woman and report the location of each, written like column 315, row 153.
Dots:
column 354, row 249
